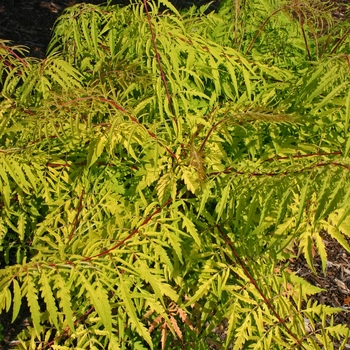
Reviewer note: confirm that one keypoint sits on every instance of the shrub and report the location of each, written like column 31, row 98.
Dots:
column 157, row 167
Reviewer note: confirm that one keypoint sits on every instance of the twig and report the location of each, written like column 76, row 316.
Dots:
column 162, row 74
column 253, row 281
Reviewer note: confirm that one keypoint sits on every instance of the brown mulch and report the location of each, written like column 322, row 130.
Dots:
column 29, row 23
column 335, row 281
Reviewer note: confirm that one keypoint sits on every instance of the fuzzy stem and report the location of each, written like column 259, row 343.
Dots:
column 82, row 318
column 253, row 281
column 136, row 230
column 231, row 170
column 340, row 41
column 123, row 110
column 162, row 74
column 76, row 219
column 304, row 156
column 137, row 122
column 14, row 54
column 261, row 28
column 304, row 37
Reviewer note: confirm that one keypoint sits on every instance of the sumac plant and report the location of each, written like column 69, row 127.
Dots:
column 158, row 168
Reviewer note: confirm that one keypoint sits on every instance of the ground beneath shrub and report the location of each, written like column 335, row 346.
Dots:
column 29, row 23
column 335, row 281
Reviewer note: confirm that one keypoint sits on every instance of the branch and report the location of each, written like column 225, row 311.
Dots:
column 301, row 21
column 162, row 74
column 253, row 281
column 82, row 318
column 76, row 220
column 231, row 170
column 136, row 230
column 261, row 28
column 340, row 41
column 14, row 54
column 304, row 156
column 132, row 118
column 124, row 111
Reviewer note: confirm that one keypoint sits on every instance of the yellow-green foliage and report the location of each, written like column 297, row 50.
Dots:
column 157, row 166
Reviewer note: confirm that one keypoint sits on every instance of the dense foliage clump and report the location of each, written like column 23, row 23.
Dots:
column 157, row 167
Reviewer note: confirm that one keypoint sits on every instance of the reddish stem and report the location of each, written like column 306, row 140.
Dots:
column 123, row 110
column 120, row 108
column 162, row 74
column 231, row 170
column 340, row 41
column 14, row 54
column 136, row 230
column 304, row 35
column 76, row 220
column 304, row 156
column 253, row 281
column 261, row 28
column 49, row 344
